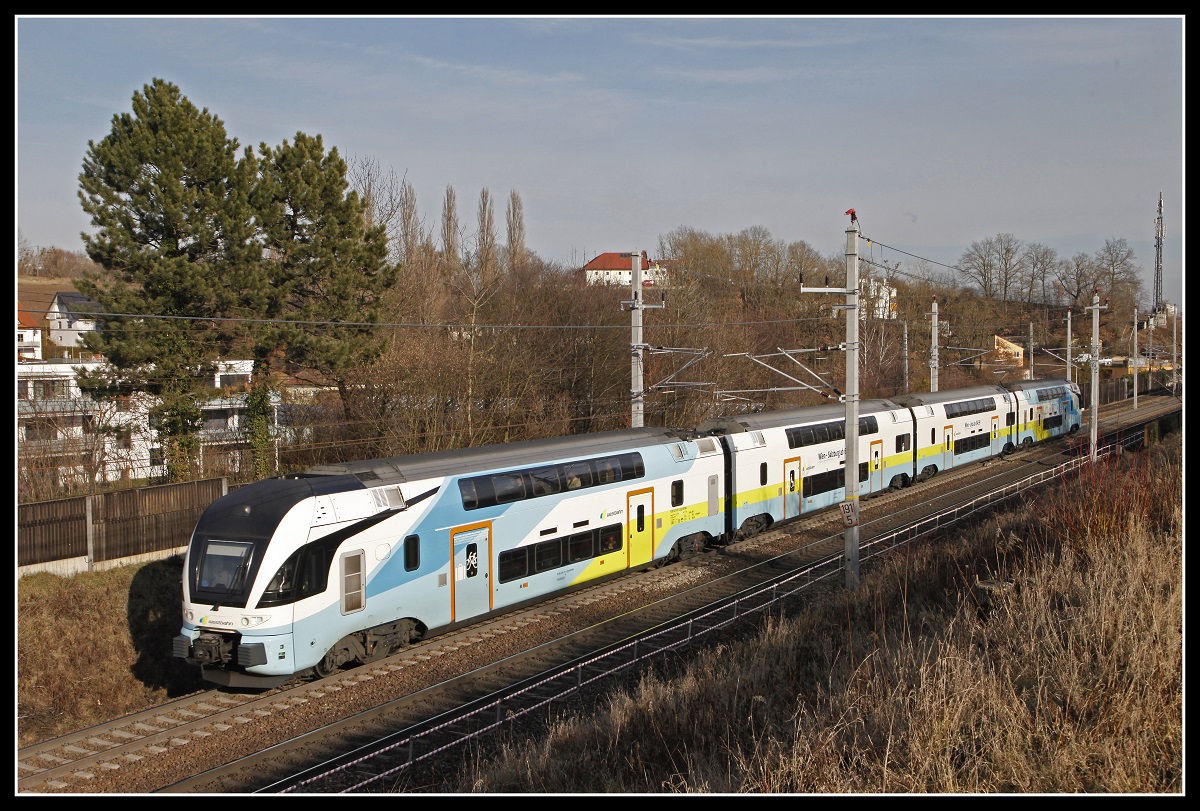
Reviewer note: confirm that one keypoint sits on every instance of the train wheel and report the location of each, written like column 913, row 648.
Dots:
column 326, row 667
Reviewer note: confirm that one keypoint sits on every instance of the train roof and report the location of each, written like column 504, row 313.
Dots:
column 950, row 396
column 417, row 466
column 736, row 423
column 1026, row 385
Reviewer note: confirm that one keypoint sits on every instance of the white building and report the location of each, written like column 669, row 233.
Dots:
column 70, row 316
column 877, row 299
column 617, row 268
column 65, row 437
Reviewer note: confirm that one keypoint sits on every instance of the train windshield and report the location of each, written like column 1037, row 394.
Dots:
column 224, row 565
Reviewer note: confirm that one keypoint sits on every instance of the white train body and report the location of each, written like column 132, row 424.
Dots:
column 347, row 563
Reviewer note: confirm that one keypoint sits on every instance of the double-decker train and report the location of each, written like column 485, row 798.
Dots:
column 347, row 563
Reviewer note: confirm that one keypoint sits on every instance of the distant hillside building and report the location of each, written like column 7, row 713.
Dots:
column 29, row 335
column 617, row 268
column 877, row 299
column 70, row 316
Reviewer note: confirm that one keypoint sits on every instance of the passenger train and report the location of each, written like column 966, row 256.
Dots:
column 347, row 563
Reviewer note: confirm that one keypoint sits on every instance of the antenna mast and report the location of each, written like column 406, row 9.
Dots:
column 1158, row 243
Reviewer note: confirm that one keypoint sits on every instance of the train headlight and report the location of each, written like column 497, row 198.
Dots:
column 188, row 615
column 250, row 621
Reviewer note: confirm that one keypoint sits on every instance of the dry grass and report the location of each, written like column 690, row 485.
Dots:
column 1069, row 681
column 97, row 646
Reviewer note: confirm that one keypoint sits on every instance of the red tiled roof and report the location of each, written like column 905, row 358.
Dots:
column 615, row 261
column 27, row 319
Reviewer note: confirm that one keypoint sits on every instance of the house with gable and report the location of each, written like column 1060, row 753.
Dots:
column 617, row 268
column 70, row 316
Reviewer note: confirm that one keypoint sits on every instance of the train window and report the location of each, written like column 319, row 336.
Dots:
column 902, row 442
column 412, row 553
column 514, row 564
column 280, row 590
column 353, row 582
column 868, row 425
column 821, row 433
column 470, row 498
column 863, row 473
column 971, row 443
column 477, row 492
column 224, row 565
column 677, row 492
column 544, row 481
column 581, row 546
column 515, row 485
column 762, row 474
column 632, row 466
column 823, row 482
column 607, row 471
column 508, row 487
column 547, row 555
column 1010, row 418
column 578, row 474
column 610, row 538
column 932, row 436
column 641, row 518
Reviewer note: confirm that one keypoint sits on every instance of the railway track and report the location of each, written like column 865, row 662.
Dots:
column 219, row 741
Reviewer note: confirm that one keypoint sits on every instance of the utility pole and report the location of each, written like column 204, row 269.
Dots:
column 1094, row 417
column 905, row 355
column 850, row 398
column 933, row 352
column 637, row 345
column 1068, row 344
column 1031, row 377
column 1174, row 349
column 1136, row 360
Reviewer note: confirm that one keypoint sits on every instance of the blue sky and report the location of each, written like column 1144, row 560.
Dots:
column 615, row 131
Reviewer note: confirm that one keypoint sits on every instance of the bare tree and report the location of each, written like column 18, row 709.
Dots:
column 485, row 252
column 1078, row 277
column 979, row 265
column 451, row 244
column 1038, row 263
column 515, row 217
column 1008, row 265
column 383, row 199
column 1119, row 274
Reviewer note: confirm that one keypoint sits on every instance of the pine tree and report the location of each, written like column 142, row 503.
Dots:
column 328, row 267
column 169, row 198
